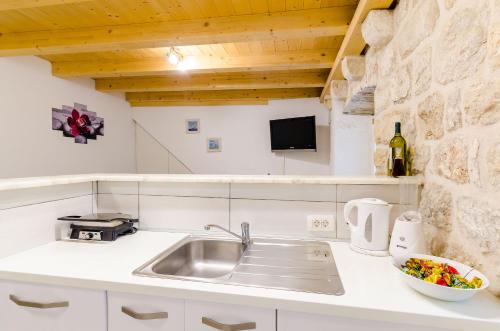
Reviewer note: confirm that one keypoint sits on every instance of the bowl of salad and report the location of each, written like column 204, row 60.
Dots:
column 439, row 277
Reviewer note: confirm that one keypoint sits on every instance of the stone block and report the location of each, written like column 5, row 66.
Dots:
column 493, row 45
column 473, row 162
column 461, row 46
column 418, row 25
column 353, row 67
column 338, row 89
column 400, row 85
column 370, row 77
column 436, row 206
column 422, row 70
column 408, row 127
column 482, row 102
column 388, row 61
column 381, row 156
column 381, row 99
column 360, row 101
column 377, row 28
column 479, row 221
column 448, row 4
column 421, row 157
column 384, row 125
column 451, row 159
column 437, row 239
column 400, row 12
column 380, row 171
column 431, row 110
column 352, row 88
column 493, row 162
column 453, row 111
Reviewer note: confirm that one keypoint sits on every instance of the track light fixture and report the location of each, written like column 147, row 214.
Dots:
column 174, row 56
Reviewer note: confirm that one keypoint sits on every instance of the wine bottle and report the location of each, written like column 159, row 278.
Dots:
column 398, row 152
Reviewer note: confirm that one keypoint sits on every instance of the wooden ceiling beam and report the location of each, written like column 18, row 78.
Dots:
column 186, row 97
column 353, row 43
column 217, row 81
column 23, row 4
column 310, row 59
column 243, row 28
column 221, row 102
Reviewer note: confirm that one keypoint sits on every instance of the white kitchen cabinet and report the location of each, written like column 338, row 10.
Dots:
column 292, row 321
column 206, row 316
column 133, row 312
column 30, row 307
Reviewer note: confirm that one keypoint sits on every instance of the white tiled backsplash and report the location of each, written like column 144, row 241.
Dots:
column 207, row 190
column 278, row 217
column 284, row 192
column 118, row 188
column 123, row 203
column 279, row 209
column 25, row 197
column 28, row 217
column 182, row 213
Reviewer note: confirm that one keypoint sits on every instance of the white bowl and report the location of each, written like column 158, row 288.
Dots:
column 438, row 291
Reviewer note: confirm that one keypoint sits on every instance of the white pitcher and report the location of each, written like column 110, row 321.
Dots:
column 370, row 232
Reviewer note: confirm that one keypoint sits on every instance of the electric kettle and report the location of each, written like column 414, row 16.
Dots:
column 370, row 232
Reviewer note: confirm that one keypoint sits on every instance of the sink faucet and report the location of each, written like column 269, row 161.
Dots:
column 245, row 232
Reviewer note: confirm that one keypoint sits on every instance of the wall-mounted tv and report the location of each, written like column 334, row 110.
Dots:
column 298, row 133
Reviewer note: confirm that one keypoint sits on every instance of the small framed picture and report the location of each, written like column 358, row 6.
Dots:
column 192, row 126
column 214, row 145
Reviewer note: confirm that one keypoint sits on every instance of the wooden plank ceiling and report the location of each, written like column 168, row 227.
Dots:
column 236, row 51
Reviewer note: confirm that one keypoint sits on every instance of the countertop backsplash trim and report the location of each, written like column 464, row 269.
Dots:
column 31, row 182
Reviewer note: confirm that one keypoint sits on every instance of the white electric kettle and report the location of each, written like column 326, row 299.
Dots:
column 370, row 233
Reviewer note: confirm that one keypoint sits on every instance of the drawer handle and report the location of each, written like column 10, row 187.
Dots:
column 228, row 327
column 144, row 316
column 31, row 304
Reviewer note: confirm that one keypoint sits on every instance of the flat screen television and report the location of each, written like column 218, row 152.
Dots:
column 298, row 133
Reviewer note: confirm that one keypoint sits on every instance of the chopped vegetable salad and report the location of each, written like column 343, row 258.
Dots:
column 438, row 273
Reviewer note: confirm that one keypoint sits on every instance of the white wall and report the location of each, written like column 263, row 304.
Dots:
column 29, row 146
column 352, row 143
column 153, row 158
column 246, row 146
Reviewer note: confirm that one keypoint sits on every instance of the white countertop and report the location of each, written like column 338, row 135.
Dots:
column 30, row 182
column 373, row 286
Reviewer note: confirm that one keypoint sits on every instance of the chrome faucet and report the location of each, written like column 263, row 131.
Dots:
column 245, row 232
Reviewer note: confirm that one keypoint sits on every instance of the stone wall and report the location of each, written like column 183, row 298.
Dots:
column 439, row 75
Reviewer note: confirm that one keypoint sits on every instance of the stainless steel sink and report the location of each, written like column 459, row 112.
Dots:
column 201, row 258
column 297, row 265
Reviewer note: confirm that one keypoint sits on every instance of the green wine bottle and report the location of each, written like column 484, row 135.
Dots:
column 398, row 152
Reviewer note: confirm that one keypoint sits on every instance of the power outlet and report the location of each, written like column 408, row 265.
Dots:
column 320, row 223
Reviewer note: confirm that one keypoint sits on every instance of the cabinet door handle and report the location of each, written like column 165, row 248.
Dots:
column 228, row 327
column 32, row 304
column 144, row 316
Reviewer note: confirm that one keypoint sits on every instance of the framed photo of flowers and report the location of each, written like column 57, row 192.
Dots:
column 214, row 145
column 78, row 123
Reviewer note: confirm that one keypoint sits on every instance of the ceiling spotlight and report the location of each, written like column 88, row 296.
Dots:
column 174, row 56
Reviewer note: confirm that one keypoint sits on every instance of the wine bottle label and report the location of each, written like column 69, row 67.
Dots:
column 398, row 153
